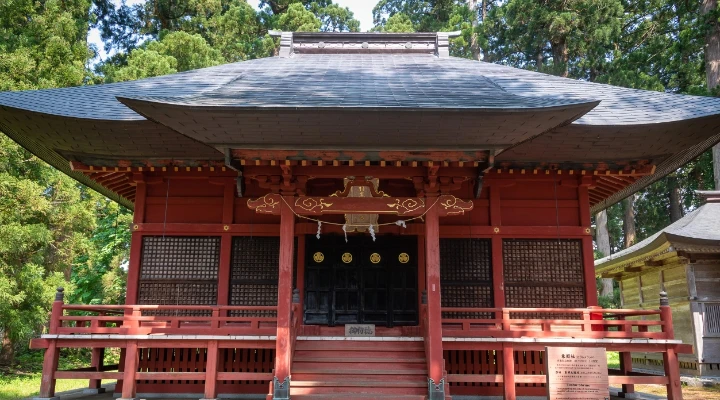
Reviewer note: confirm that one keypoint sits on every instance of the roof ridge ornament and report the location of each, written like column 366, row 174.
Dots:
column 436, row 43
column 442, row 44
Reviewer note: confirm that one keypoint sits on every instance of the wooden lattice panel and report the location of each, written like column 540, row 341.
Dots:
column 540, row 260
column 255, row 268
column 542, row 273
column 180, row 257
column 179, row 270
column 466, row 276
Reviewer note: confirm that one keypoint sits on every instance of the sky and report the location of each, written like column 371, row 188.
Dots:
column 361, row 8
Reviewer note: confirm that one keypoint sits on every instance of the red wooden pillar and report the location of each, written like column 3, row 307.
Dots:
column 211, row 370
column 508, row 372
column 301, row 271
column 133, row 279
column 50, row 364
column 591, row 298
column 670, row 359
column 225, row 269
column 130, row 371
column 96, row 362
column 434, row 329
column 50, row 360
column 283, row 358
column 498, row 276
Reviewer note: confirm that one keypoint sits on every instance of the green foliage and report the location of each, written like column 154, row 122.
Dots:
column 43, row 44
column 398, row 23
column 298, row 19
column 334, row 18
column 559, row 37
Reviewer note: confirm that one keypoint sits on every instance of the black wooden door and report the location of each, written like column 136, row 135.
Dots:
column 361, row 281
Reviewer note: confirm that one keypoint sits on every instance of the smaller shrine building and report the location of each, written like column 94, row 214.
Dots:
column 683, row 260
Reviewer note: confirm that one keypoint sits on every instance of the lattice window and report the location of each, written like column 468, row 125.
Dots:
column 179, row 270
column 712, row 319
column 179, row 257
column 466, row 276
column 542, row 273
column 255, row 268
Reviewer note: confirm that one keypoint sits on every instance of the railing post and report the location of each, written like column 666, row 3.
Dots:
column 130, row 372
column 670, row 359
column 96, row 362
column 666, row 316
column 57, row 311
column 596, row 316
column 625, row 363
column 50, row 360
column 211, row 370
column 506, row 320
column 508, row 372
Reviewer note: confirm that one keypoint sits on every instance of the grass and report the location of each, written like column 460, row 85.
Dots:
column 22, row 379
column 28, row 385
column 689, row 393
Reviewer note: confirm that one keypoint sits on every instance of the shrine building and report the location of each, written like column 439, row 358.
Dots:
column 362, row 216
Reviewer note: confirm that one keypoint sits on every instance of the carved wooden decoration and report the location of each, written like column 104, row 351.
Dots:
column 401, row 206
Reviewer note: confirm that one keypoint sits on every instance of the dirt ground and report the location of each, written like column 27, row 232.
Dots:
column 689, row 393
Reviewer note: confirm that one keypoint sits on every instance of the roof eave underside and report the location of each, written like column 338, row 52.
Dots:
column 56, row 160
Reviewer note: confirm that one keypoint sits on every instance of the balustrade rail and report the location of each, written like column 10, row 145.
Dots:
column 558, row 322
column 163, row 319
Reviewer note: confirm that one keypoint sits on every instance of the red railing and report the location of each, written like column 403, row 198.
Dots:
column 558, row 322
column 162, row 319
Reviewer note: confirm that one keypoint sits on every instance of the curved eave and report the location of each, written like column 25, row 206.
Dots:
column 645, row 251
column 663, row 168
column 357, row 127
column 56, row 160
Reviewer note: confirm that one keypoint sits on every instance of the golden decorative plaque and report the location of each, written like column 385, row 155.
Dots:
column 347, row 258
column 374, row 258
column 404, row 258
column 318, row 257
column 575, row 373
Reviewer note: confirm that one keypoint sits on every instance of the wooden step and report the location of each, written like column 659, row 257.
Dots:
column 327, row 345
column 320, row 357
column 372, row 396
column 354, row 354
column 354, row 382
column 341, row 392
column 345, row 376
column 358, row 368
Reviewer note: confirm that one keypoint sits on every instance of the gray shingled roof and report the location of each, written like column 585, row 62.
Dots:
column 89, row 124
column 701, row 225
column 368, row 80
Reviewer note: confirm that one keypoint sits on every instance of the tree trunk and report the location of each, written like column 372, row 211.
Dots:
column 474, row 40
column 629, row 221
column 712, row 44
column 560, row 59
column 7, row 350
column 716, row 165
column 712, row 68
column 675, row 208
column 602, row 238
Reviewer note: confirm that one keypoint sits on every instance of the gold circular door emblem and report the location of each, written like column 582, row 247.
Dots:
column 404, row 258
column 347, row 258
column 318, row 257
column 374, row 258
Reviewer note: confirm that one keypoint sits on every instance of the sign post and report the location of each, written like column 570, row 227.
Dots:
column 575, row 373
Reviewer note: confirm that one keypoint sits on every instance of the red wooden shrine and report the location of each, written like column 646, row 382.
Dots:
column 268, row 218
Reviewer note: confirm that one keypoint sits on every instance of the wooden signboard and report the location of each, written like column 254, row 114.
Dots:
column 359, row 330
column 575, row 373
